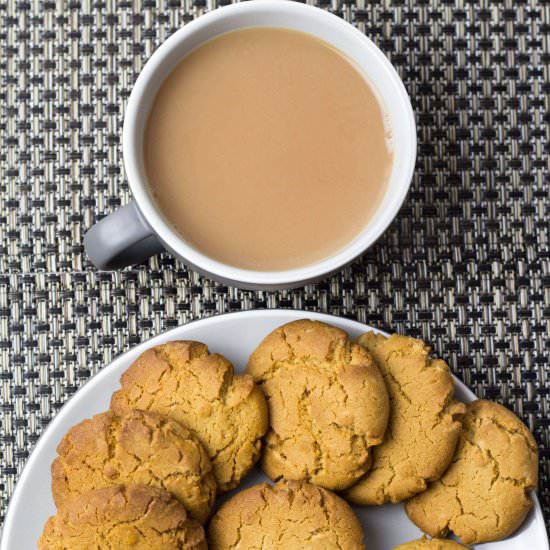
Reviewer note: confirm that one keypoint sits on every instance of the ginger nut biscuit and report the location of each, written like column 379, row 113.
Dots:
column 328, row 404
column 424, row 426
column 183, row 381
column 137, row 448
column 484, row 494
column 117, row 518
column 430, row 544
column 290, row 515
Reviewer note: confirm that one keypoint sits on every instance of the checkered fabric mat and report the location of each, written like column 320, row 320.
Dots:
column 466, row 264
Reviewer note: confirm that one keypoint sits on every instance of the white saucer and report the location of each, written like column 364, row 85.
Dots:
column 235, row 336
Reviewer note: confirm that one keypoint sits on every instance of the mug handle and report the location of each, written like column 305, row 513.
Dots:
column 121, row 239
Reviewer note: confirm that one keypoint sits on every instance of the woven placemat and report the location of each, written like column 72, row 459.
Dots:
column 466, row 264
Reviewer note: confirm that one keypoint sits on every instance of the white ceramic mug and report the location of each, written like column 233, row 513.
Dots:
column 139, row 229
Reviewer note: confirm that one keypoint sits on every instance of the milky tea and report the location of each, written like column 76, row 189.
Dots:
column 267, row 149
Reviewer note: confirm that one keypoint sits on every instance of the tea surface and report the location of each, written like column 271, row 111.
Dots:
column 267, row 149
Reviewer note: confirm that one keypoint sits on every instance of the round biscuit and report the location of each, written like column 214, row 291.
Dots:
column 424, row 426
column 484, row 494
column 138, row 517
column 290, row 515
column 328, row 404
column 136, row 448
column 226, row 412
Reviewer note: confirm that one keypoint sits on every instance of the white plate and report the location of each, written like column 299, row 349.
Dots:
column 235, row 336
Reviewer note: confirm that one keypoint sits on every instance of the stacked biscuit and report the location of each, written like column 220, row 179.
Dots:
column 375, row 420
column 145, row 474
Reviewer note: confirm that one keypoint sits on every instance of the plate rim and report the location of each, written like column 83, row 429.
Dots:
column 293, row 314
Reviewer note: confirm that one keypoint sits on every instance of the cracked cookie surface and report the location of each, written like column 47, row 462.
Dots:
column 290, row 515
column 328, row 404
column 226, row 412
column 117, row 518
column 137, row 448
column 483, row 495
column 430, row 544
column 424, row 426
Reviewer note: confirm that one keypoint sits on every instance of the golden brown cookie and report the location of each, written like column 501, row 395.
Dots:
column 139, row 447
column 290, row 515
column 430, row 544
column 327, row 403
column 183, row 381
column 424, row 425
column 118, row 518
column 483, row 495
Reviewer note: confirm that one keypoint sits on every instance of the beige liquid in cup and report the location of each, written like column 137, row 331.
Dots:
column 266, row 149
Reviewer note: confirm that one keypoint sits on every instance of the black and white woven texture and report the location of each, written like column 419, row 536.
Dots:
column 466, row 264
